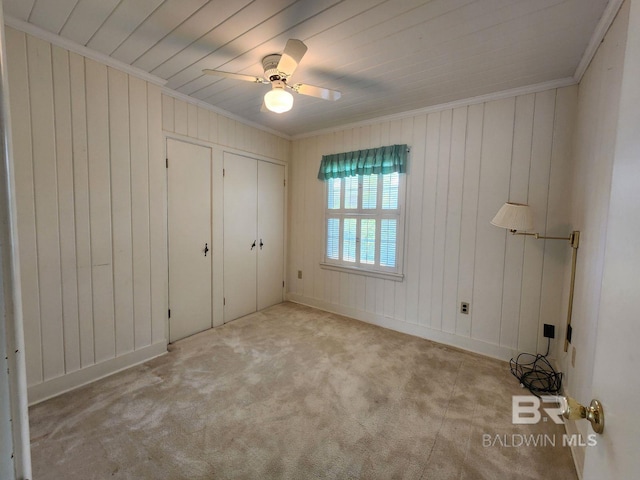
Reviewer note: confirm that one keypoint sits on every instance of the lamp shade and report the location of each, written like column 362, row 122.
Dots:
column 514, row 216
column 278, row 100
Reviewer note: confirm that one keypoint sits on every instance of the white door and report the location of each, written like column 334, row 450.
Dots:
column 240, row 236
column 615, row 373
column 270, row 234
column 189, row 222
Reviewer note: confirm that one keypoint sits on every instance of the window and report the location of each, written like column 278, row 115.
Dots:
column 364, row 224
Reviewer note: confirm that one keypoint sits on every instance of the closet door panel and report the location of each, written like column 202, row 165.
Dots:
column 270, row 234
column 240, row 235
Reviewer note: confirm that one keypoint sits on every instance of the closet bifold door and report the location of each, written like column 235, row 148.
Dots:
column 270, row 233
column 240, row 235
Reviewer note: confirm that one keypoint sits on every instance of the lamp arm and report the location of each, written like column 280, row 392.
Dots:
column 572, row 238
column 553, row 238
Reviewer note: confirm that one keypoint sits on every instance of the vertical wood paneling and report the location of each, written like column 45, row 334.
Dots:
column 323, row 145
column 440, row 219
column 168, row 115
column 413, row 220
column 46, row 205
column 470, row 194
column 230, row 136
column 203, row 124
column 213, row 127
column 140, row 211
column 121, row 209
column 67, row 229
column 557, row 254
column 399, row 134
column 157, row 216
column 192, row 120
column 223, row 122
column 308, row 231
column 429, row 183
column 100, row 209
column 294, row 284
column 538, row 196
column 495, row 166
column 518, row 189
column 82, row 213
column 25, row 200
column 180, row 121
column 243, row 138
column 454, row 215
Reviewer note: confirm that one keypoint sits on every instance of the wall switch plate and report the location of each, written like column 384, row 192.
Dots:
column 549, row 331
column 464, row 308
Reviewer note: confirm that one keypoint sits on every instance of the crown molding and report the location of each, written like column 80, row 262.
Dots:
column 513, row 92
column 213, row 108
column 74, row 47
column 608, row 16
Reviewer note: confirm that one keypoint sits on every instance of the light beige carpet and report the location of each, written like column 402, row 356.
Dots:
column 294, row 392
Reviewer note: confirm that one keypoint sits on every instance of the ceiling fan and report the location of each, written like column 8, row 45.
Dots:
column 278, row 68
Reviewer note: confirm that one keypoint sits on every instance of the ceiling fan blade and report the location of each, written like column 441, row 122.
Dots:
column 235, row 76
column 293, row 53
column 318, row 92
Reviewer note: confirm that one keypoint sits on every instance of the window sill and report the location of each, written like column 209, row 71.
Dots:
column 396, row 277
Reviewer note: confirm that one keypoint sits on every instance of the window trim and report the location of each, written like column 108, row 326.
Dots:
column 389, row 273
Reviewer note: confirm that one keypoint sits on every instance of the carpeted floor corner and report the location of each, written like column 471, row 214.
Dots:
column 297, row 393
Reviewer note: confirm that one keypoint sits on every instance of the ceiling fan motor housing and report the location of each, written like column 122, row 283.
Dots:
column 270, row 65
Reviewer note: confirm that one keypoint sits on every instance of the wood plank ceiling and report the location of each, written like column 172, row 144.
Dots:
column 385, row 56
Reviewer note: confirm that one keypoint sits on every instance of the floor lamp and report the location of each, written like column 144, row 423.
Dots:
column 517, row 218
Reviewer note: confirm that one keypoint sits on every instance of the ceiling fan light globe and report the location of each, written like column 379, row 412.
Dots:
column 278, row 100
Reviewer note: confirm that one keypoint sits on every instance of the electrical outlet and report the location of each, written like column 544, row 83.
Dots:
column 464, row 308
column 299, row 274
column 549, row 331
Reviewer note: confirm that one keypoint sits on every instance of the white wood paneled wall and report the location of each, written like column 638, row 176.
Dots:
column 464, row 163
column 193, row 121
column 90, row 183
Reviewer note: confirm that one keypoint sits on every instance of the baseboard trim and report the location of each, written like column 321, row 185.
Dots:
column 59, row 385
column 450, row 339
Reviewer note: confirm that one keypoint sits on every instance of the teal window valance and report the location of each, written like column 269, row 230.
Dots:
column 390, row 159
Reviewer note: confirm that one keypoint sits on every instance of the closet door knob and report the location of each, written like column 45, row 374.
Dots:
column 206, row 249
column 261, row 244
column 253, row 245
